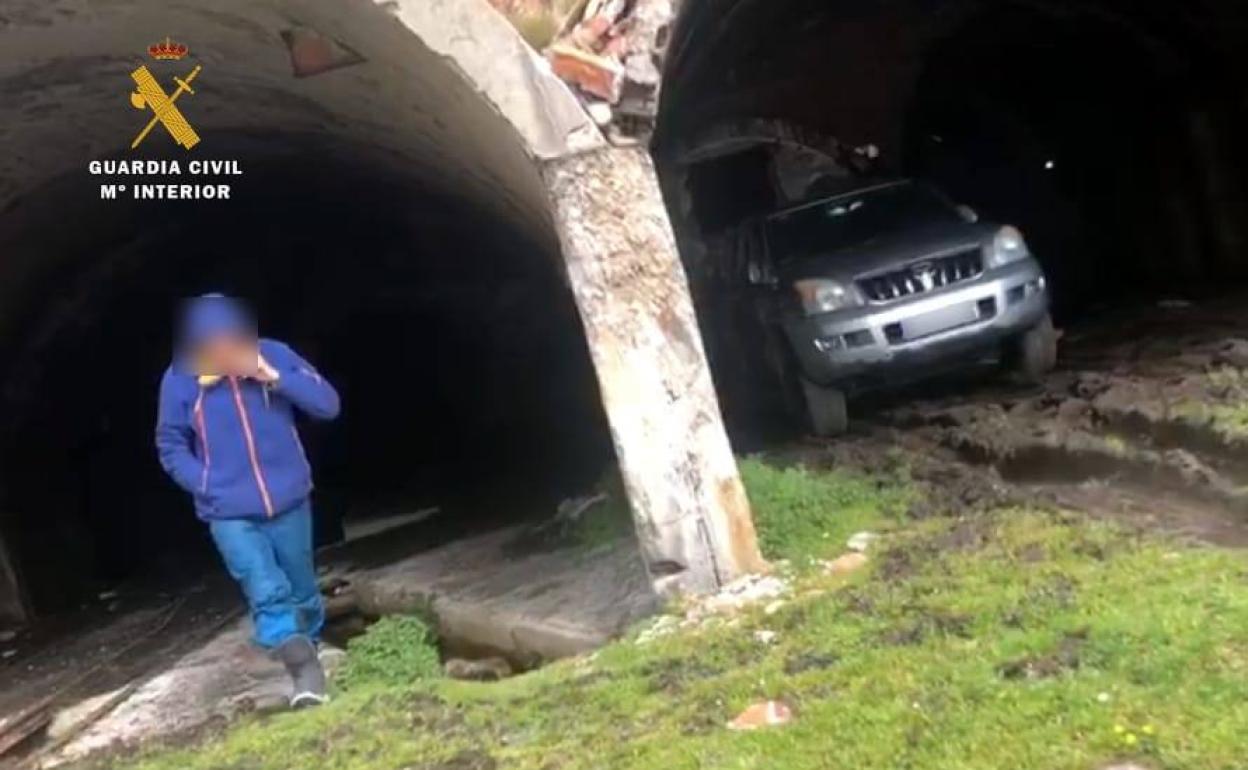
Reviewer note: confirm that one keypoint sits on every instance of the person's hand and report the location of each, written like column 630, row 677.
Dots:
column 265, row 372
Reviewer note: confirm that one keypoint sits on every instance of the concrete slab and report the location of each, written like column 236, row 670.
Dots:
column 511, row 592
column 505, row 593
column 225, row 677
column 353, row 529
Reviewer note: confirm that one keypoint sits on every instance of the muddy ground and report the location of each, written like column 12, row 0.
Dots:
column 1145, row 421
column 95, row 656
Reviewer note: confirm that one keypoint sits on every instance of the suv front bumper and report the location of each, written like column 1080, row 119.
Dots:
column 867, row 346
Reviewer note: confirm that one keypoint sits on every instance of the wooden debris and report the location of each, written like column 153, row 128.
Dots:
column 608, row 50
column 16, row 728
column 84, row 720
column 596, row 75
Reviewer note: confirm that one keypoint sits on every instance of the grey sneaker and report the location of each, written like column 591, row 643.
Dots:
column 298, row 653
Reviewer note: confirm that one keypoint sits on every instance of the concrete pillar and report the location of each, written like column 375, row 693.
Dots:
column 692, row 516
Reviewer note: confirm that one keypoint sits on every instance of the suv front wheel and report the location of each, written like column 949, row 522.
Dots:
column 1033, row 354
column 826, row 409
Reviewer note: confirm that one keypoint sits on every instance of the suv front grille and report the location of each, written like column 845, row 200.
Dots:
column 923, row 276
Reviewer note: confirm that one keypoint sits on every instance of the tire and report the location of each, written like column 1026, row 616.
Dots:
column 787, row 398
column 1033, row 354
column 826, row 410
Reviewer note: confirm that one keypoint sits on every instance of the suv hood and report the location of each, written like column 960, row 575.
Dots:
column 890, row 251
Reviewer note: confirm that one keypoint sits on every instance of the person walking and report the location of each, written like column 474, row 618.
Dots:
column 226, row 434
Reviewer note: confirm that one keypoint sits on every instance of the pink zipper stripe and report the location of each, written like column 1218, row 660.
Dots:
column 251, row 447
column 203, row 440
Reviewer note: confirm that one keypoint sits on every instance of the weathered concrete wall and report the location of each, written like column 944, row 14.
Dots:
column 439, row 114
column 691, row 511
column 493, row 57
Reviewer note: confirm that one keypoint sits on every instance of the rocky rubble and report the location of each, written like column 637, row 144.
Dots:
column 746, row 591
column 609, row 51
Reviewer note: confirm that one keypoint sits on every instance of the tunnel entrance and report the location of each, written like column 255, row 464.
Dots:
column 389, row 224
column 1108, row 136
column 453, row 342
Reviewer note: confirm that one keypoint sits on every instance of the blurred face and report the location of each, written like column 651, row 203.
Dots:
column 227, row 355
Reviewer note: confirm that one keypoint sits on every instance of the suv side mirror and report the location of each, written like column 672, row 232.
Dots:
column 755, row 274
column 968, row 213
column 754, row 264
column 759, row 273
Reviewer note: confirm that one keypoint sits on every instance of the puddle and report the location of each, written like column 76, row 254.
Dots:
column 1059, row 465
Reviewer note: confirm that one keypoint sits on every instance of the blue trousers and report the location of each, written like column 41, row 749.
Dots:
column 272, row 561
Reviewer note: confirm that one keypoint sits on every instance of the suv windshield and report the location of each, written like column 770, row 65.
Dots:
column 851, row 219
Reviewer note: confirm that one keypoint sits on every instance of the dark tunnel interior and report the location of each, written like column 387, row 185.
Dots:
column 450, row 335
column 1109, row 149
column 1110, row 135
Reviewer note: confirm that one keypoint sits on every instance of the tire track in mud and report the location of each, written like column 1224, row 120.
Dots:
column 1171, row 490
column 1127, row 430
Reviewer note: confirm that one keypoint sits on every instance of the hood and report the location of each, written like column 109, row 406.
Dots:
column 214, row 314
column 890, row 251
column 209, row 316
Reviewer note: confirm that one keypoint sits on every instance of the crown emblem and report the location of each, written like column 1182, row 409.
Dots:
column 168, row 50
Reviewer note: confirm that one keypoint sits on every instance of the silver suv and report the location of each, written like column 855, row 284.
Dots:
column 893, row 283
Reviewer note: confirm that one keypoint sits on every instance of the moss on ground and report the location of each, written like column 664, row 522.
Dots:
column 1020, row 639
column 1227, row 420
column 1223, row 405
column 606, row 522
column 798, row 513
column 802, row 515
column 398, row 648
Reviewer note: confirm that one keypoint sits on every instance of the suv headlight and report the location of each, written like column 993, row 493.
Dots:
column 1007, row 246
column 821, row 295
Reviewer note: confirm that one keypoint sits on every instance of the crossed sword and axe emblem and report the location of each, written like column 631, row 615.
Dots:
column 151, row 94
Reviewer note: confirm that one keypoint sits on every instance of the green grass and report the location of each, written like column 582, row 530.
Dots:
column 1226, row 411
column 1019, row 640
column 802, row 515
column 1228, row 420
column 399, row 648
column 799, row 514
column 606, row 522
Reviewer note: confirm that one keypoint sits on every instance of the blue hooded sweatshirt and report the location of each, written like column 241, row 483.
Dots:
column 233, row 444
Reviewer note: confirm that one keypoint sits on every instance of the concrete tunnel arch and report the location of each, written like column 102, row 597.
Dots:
column 430, row 125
